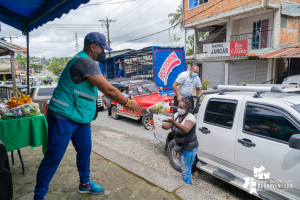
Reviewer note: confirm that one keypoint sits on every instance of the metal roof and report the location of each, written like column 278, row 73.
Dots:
column 7, row 48
column 284, row 51
column 127, row 82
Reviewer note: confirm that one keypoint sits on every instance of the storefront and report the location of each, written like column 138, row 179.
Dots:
column 228, row 63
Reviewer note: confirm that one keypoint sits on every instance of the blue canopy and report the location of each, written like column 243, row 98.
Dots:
column 26, row 15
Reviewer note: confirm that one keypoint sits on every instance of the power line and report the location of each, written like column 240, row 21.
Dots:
column 140, row 15
column 76, row 44
column 107, row 22
column 11, row 38
column 171, row 26
column 129, row 11
column 115, row 9
column 141, row 30
column 104, row 3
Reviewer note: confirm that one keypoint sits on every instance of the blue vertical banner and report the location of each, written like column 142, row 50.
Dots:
column 168, row 63
column 102, row 68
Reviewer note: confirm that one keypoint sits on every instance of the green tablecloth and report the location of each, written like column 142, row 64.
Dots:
column 23, row 132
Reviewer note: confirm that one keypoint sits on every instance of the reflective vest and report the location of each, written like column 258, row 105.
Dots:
column 77, row 102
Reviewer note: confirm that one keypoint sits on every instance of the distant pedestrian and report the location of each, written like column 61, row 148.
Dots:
column 121, row 68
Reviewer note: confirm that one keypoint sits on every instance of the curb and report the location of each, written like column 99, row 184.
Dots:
column 154, row 176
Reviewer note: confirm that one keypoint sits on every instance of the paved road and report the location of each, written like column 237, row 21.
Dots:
column 125, row 125
column 44, row 72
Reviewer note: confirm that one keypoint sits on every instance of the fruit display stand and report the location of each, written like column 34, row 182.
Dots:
column 22, row 132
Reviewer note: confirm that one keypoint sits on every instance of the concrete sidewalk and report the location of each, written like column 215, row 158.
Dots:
column 118, row 182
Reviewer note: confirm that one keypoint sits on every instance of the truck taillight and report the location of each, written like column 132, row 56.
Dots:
column 46, row 109
column 153, row 123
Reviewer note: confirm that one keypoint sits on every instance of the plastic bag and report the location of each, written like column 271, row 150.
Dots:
column 159, row 108
column 30, row 109
column 17, row 111
column 3, row 109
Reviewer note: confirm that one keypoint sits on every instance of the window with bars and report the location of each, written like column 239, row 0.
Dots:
column 255, row 34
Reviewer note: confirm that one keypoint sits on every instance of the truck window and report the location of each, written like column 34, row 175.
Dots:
column 268, row 123
column 220, row 112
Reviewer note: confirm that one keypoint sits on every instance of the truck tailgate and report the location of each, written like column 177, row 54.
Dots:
column 158, row 131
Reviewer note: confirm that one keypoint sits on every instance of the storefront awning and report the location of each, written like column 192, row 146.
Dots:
column 7, row 48
column 284, row 51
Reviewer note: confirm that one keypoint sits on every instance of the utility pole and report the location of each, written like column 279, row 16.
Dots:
column 76, row 44
column 10, row 38
column 107, row 22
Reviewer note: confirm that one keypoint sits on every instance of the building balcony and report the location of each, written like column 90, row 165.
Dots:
column 256, row 39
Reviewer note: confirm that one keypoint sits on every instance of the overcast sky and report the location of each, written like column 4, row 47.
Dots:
column 134, row 19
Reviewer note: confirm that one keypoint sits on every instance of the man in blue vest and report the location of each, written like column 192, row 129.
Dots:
column 72, row 107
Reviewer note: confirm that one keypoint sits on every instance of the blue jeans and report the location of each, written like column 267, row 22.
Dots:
column 60, row 132
column 121, row 73
column 186, row 160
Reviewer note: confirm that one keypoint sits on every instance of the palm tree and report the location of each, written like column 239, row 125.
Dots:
column 177, row 18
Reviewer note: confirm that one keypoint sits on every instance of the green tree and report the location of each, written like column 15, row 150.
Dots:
column 175, row 38
column 56, row 67
column 21, row 60
column 177, row 17
column 190, row 41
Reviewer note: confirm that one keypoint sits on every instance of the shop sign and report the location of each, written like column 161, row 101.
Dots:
column 239, row 48
column 218, row 49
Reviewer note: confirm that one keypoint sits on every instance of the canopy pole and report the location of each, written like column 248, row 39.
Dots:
column 27, row 40
column 13, row 74
column 255, row 71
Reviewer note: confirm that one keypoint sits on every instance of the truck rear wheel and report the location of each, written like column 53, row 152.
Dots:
column 147, row 121
column 175, row 159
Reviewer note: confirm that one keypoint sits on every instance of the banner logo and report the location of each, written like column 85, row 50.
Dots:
column 262, row 180
column 171, row 62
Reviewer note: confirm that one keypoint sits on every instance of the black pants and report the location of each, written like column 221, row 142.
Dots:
column 190, row 98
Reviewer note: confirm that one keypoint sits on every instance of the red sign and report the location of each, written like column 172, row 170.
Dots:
column 239, row 48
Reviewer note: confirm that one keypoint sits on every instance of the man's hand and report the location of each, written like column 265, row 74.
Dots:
column 131, row 106
column 179, row 98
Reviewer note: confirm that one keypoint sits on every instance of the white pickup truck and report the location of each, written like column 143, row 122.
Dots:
column 250, row 139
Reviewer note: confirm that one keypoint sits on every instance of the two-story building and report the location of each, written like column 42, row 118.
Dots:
column 238, row 29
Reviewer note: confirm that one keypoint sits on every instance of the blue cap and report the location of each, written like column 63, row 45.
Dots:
column 97, row 38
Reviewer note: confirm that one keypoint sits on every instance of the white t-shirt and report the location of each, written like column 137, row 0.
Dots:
column 190, row 117
column 187, row 84
column 125, row 94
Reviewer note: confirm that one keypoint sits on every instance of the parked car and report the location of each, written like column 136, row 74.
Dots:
column 144, row 92
column 246, row 137
column 292, row 80
column 42, row 96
